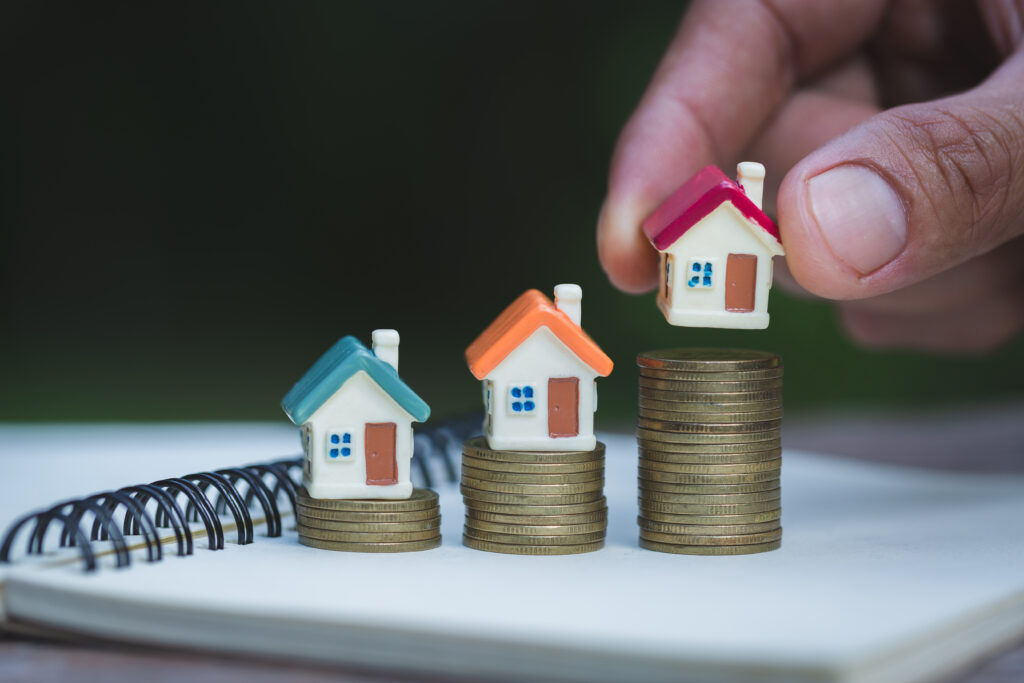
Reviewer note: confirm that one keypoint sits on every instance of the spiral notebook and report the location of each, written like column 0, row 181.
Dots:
column 885, row 574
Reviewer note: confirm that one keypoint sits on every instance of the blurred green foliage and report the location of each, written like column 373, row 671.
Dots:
column 197, row 203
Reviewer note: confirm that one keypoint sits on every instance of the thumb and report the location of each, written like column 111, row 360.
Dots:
column 909, row 193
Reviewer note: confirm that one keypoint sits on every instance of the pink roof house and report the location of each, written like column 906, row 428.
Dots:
column 716, row 247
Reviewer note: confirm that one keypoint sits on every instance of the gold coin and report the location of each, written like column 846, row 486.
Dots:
column 534, row 468
column 709, row 488
column 708, row 360
column 557, row 510
column 707, row 529
column 693, row 428
column 514, row 539
column 521, row 478
column 476, row 447
column 716, row 387
column 510, row 549
column 520, row 529
column 372, row 517
column 712, row 520
column 371, row 547
column 709, row 422
column 764, row 436
column 650, row 404
column 534, row 489
column 369, row 527
column 727, row 376
column 756, row 449
column 352, row 537
column 713, row 499
column 711, row 418
column 689, row 539
column 720, row 459
column 772, row 465
column 421, row 499
column 538, row 520
column 716, row 479
column 648, row 507
column 473, row 494
column 705, row 400
column 710, row 549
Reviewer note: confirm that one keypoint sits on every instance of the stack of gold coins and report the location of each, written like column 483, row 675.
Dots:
column 533, row 503
column 710, row 451
column 370, row 526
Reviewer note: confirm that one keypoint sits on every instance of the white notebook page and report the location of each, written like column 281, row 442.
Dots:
column 885, row 574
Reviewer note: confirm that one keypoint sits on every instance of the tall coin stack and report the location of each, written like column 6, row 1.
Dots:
column 533, row 503
column 708, row 435
column 370, row 526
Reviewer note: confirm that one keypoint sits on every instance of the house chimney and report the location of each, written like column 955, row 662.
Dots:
column 385, row 346
column 750, row 176
column 569, row 300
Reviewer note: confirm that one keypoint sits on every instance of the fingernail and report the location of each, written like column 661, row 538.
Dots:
column 860, row 216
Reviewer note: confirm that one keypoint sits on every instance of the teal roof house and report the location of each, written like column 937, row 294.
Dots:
column 355, row 414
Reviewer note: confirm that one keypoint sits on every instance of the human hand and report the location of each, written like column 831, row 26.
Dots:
column 910, row 215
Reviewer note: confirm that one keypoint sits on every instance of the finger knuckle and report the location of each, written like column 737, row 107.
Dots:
column 966, row 162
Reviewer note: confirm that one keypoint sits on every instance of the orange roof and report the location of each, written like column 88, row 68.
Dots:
column 517, row 322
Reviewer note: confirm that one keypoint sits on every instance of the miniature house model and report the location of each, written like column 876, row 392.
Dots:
column 716, row 248
column 356, row 418
column 538, row 369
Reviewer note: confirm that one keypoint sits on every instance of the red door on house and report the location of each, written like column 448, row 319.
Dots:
column 740, row 282
column 563, row 407
column 381, row 463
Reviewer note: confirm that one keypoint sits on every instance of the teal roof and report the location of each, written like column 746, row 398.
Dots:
column 347, row 357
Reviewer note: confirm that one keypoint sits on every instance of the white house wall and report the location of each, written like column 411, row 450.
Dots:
column 722, row 232
column 359, row 401
column 540, row 357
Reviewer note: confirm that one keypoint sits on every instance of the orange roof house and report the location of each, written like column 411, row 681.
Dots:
column 538, row 369
column 517, row 322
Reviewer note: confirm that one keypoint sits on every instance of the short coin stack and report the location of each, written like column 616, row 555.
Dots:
column 710, row 451
column 533, row 503
column 370, row 526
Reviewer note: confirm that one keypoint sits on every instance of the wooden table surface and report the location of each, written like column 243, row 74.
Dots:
column 989, row 439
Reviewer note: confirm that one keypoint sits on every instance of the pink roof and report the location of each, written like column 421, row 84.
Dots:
column 698, row 197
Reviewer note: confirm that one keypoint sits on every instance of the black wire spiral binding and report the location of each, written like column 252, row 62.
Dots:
column 207, row 496
column 442, row 442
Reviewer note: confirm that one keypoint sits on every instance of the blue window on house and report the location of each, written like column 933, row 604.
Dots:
column 521, row 399
column 339, row 445
column 701, row 275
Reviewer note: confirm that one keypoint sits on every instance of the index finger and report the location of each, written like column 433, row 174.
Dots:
column 730, row 65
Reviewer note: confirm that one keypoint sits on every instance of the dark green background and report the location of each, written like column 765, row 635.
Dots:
column 196, row 201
